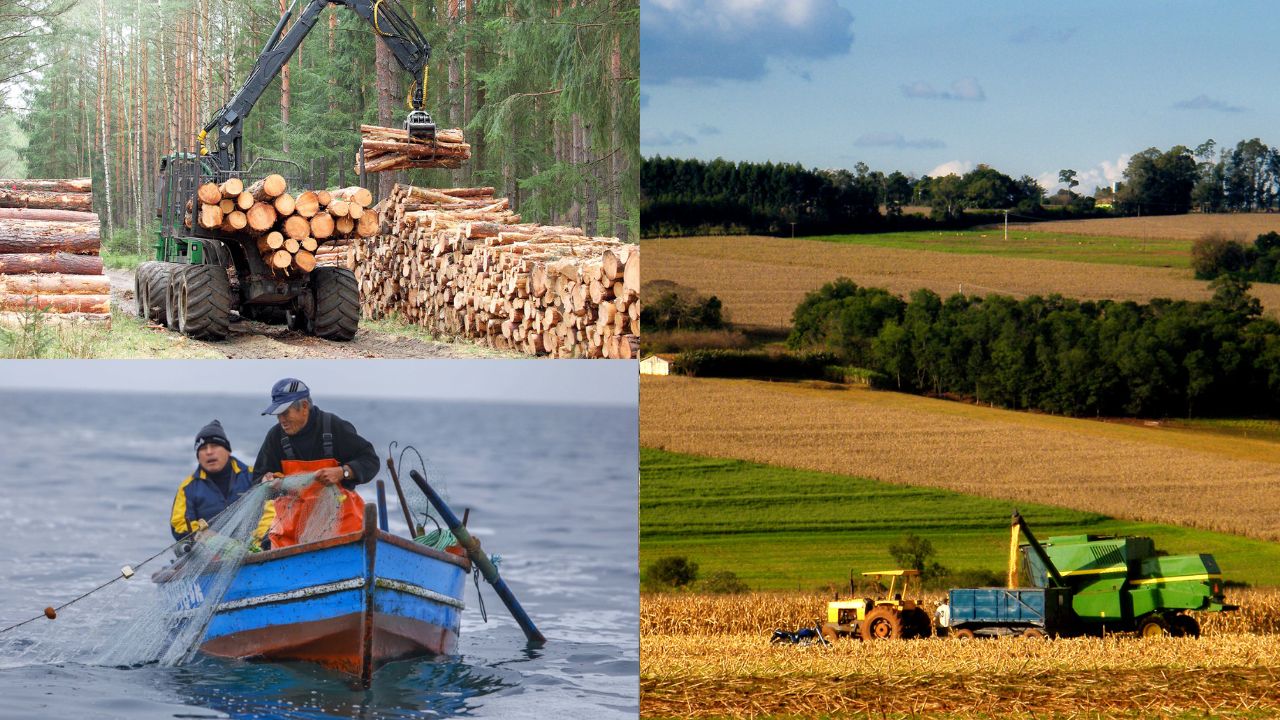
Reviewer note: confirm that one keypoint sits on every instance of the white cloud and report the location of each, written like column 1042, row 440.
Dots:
column 954, row 167
column 1104, row 174
column 896, row 140
column 965, row 89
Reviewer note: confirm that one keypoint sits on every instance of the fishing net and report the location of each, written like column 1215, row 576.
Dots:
column 162, row 613
column 434, row 532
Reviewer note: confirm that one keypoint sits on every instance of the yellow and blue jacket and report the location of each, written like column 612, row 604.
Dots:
column 198, row 498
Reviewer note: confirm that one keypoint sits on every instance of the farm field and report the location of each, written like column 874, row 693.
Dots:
column 743, row 675
column 779, row 528
column 1033, row 244
column 760, row 280
column 1188, row 477
column 1242, row 226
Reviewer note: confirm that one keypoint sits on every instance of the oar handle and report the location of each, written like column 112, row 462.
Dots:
column 481, row 560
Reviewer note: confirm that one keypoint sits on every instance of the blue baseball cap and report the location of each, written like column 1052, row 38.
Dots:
column 285, row 393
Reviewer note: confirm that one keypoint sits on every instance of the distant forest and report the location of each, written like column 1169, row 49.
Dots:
column 687, row 197
column 1162, row 359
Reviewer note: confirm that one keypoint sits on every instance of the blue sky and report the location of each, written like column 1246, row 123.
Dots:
column 560, row 382
column 930, row 86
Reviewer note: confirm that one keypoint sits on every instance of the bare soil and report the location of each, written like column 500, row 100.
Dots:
column 257, row 340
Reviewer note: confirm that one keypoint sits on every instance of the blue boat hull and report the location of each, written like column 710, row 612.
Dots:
column 350, row 603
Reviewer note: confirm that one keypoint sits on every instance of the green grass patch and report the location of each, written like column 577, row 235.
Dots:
column 130, row 337
column 786, row 529
column 124, row 261
column 1153, row 252
column 1231, row 427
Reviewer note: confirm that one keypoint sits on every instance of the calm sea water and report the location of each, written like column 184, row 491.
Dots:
column 88, row 480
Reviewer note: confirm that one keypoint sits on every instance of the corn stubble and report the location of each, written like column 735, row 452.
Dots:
column 710, row 656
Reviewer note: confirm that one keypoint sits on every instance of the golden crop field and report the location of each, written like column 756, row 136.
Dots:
column 760, row 280
column 1185, row 477
column 1242, row 226
column 745, row 676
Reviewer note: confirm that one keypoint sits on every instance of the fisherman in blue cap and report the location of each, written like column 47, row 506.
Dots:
column 219, row 480
column 308, row 439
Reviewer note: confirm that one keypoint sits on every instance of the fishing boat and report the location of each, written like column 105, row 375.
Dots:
column 350, row 603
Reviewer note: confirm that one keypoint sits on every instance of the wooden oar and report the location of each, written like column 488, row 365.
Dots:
column 481, row 560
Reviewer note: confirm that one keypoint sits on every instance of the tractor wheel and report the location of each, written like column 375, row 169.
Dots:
column 963, row 634
column 170, row 277
column 1153, row 626
column 882, row 623
column 830, row 632
column 916, row 623
column 1185, row 626
column 204, row 302
column 337, row 297
column 141, row 285
column 1034, row 633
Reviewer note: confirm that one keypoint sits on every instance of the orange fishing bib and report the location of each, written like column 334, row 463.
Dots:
column 292, row 511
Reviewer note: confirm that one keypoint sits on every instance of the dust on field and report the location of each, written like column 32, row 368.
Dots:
column 1205, row 480
column 761, row 280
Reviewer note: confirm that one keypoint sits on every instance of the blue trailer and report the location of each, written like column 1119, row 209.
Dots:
column 1031, row 612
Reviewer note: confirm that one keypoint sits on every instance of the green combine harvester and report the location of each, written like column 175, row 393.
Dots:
column 1087, row 585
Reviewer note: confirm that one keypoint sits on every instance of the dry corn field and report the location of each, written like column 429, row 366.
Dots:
column 1243, row 226
column 1195, row 479
column 710, row 656
column 760, row 280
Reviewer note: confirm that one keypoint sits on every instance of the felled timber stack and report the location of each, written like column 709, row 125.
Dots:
column 459, row 262
column 289, row 231
column 387, row 149
column 49, row 250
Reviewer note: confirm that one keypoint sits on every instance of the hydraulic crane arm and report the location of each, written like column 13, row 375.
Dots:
column 1017, row 524
column 222, row 140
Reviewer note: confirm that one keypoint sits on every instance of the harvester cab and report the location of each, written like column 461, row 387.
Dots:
column 885, row 605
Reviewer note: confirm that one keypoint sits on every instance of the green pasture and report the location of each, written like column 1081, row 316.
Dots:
column 786, row 529
column 1144, row 252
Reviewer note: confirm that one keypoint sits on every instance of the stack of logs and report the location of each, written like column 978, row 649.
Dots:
column 290, row 231
column 459, row 262
column 49, row 247
column 387, row 149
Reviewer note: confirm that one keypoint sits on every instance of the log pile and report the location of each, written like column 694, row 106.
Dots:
column 49, row 250
column 289, row 231
column 459, row 262
column 386, row 149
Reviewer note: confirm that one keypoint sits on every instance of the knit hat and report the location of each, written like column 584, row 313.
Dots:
column 212, row 433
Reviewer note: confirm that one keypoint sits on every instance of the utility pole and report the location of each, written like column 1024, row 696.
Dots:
column 793, row 231
column 1006, row 226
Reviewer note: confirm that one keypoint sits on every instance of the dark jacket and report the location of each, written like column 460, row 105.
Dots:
column 348, row 448
column 200, row 498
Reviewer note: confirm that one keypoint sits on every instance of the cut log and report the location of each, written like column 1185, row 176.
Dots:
column 234, row 221
column 209, row 193
column 322, row 226
column 46, row 200
column 268, row 188
column 631, row 274
column 292, row 245
column 284, row 204
column 355, row 210
column 57, row 303
column 227, row 205
column 66, row 263
column 232, row 188
column 55, row 285
column 357, row 194
column 244, row 200
column 306, row 204
column 54, row 215
column 323, row 197
column 338, row 207
column 280, row 259
column 72, row 185
column 32, row 236
column 344, row 225
column 261, row 217
column 297, row 226
column 270, row 242
column 310, row 244
column 210, row 215
column 305, row 261
column 367, row 225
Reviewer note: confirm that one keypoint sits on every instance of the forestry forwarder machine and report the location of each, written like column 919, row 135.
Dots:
column 189, row 286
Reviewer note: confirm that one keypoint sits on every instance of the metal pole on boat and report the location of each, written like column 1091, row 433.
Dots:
column 414, row 531
column 382, row 506
column 481, row 560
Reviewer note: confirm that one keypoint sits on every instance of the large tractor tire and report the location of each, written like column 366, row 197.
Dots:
column 1034, row 633
column 167, row 280
column 203, row 298
column 141, row 286
column 830, row 632
column 337, row 296
column 883, row 623
column 1153, row 626
column 963, row 634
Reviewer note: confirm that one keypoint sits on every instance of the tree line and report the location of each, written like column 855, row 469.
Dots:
column 1214, row 256
column 548, row 96
column 686, row 196
column 1165, row 358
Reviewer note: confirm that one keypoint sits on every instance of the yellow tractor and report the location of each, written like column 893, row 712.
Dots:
column 891, row 616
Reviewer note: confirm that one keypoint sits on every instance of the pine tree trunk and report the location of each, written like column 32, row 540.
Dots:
column 102, row 114
column 284, row 98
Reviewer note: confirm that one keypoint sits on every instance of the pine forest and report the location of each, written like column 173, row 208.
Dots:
column 546, row 92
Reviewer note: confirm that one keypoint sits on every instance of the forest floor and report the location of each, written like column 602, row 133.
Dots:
column 131, row 337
